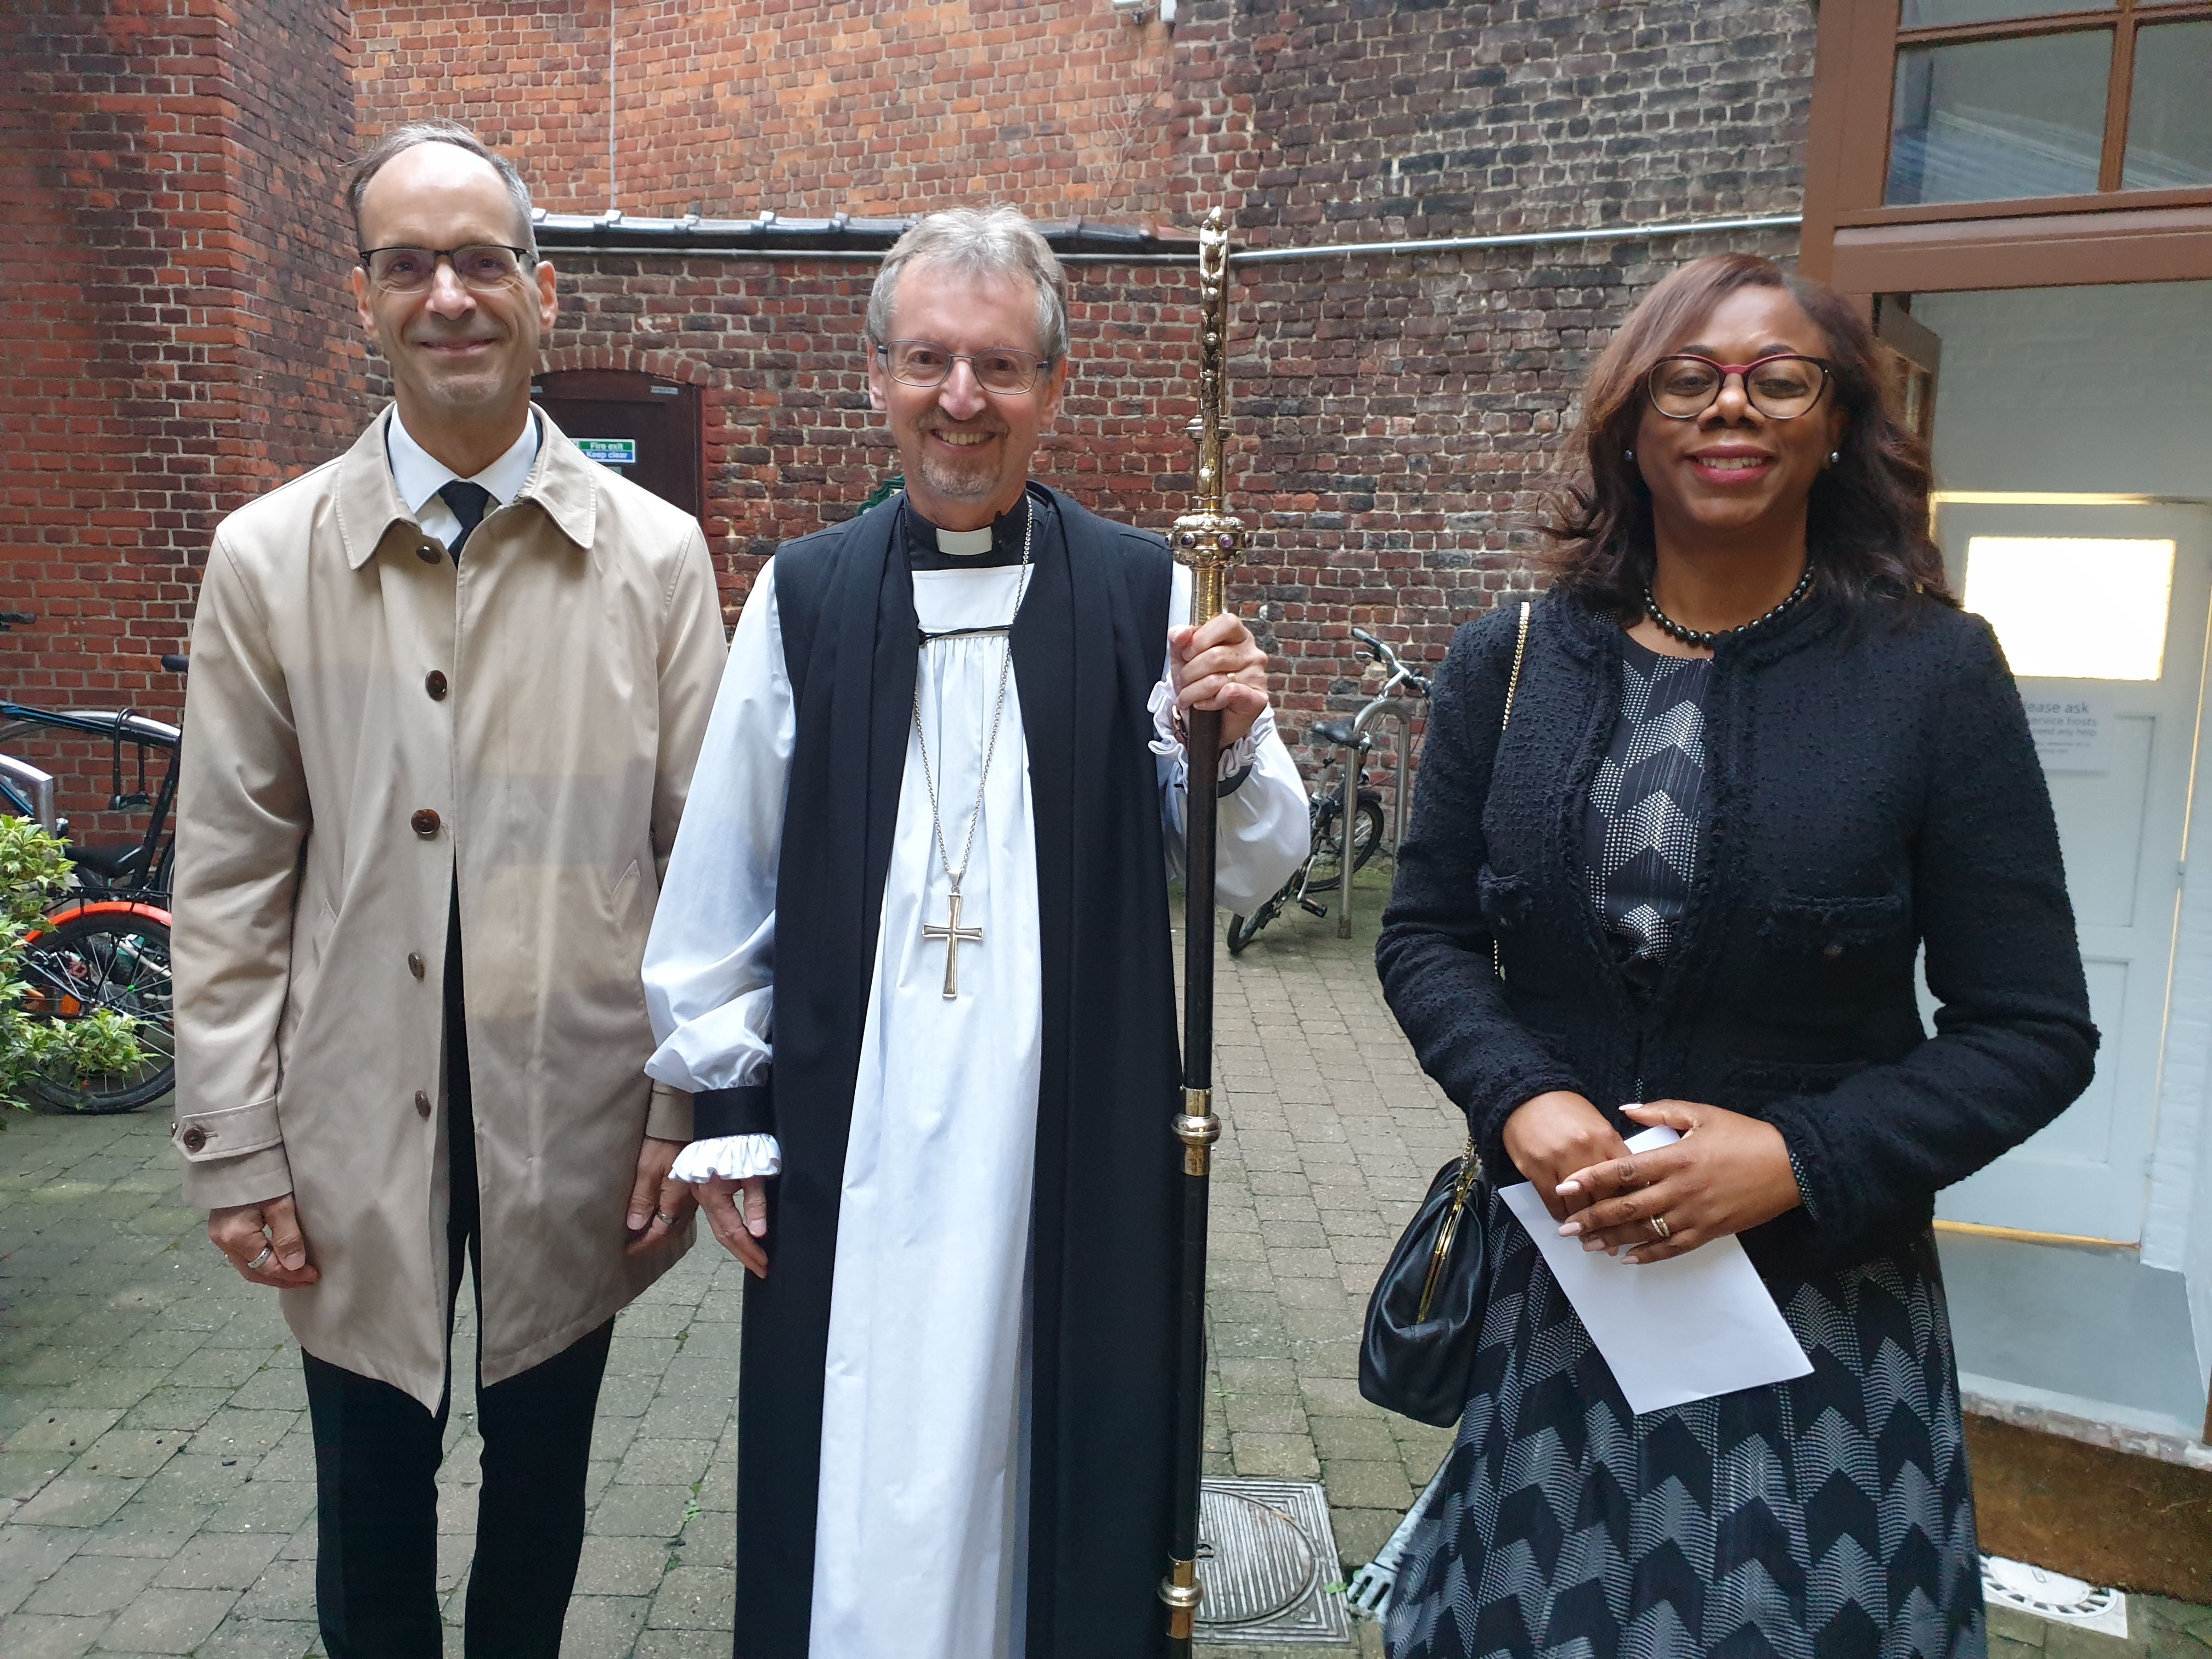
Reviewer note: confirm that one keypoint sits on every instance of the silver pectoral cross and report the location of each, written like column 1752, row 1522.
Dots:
column 954, row 936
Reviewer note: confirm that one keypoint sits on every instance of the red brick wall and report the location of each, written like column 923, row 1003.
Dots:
column 807, row 107
column 1402, row 417
column 292, row 80
column 172, row 338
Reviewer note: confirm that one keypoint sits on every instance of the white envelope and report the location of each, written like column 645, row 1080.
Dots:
column 1688, row 1328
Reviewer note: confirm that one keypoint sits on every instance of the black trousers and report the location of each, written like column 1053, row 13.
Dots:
column 377, row 1452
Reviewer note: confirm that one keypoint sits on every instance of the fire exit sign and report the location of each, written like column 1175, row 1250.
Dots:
column 610, row 451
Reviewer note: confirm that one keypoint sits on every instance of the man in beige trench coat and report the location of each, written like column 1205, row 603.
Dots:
column 446, row 694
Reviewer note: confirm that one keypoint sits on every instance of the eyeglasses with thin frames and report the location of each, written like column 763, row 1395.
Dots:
column 1003, row 369
column 481, row 267
column 1782, row 387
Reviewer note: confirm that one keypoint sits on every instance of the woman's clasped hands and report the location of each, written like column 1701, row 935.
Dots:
column 1727, row 1174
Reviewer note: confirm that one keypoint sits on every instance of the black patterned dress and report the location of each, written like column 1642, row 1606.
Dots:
column 1829, row 1517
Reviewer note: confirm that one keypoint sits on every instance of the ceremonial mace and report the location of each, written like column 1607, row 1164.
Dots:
column 1206, row 540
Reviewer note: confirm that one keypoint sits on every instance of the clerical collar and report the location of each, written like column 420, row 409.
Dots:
column 962, row 544
column 932, row 547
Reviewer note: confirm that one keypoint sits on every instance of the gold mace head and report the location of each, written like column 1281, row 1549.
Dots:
column 1209, row 538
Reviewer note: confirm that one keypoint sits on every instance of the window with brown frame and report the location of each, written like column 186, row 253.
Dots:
column 2006, row 100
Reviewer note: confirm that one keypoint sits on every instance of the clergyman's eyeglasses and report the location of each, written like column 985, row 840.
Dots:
column 1781, row 387
column 482, row 267
column 1002, row 369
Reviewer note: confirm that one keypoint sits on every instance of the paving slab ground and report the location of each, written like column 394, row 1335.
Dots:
column 157, row 1477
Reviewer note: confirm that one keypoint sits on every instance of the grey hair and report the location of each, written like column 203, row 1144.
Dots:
column 400, row 140
column 996, row 241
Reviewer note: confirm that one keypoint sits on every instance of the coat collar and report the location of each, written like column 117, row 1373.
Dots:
column 561, row 484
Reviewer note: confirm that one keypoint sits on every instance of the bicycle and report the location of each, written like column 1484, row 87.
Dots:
column 106, row 945
column 1324, row 865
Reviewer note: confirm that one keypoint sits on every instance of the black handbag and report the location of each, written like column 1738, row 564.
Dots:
column 1425, row 1320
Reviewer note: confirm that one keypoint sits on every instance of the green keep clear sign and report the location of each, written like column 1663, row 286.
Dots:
column 610, row 451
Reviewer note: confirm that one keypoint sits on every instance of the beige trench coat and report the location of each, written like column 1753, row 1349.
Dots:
column 330, row 792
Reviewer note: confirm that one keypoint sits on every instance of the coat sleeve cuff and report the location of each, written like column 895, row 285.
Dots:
column 717, row 1113
column 234, row 1156
column 670, row 1115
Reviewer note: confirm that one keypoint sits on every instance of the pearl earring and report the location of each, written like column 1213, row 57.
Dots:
column 1835, row 455
column 1630, row 453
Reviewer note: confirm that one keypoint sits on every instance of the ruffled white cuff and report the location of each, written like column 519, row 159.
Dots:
column 1167, row 740
column 730, row 1157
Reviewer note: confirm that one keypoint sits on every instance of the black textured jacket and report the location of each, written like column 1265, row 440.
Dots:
column 1867, row 788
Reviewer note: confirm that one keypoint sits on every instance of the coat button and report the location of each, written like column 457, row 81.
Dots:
column 435, row 684
column 421, row 1104
column 429, row 552
column 195, row 1138
column 1832, row 948
column 425, row 823
column 415, row 964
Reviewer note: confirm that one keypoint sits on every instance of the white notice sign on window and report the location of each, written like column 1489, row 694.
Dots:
column 2074, row 731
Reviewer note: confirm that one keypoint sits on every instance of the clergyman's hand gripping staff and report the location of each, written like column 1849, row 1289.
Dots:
column 1207, row 540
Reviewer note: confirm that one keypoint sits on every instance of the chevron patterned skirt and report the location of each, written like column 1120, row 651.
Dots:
column 1826, row 1518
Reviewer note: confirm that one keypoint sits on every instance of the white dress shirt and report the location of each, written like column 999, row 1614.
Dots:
column 419, row 476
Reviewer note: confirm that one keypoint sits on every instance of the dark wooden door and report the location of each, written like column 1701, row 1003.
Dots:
column 647, row 428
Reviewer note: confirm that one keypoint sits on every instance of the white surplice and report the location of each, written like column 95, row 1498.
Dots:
column 919, row 1547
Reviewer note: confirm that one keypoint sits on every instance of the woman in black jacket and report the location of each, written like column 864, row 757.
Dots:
column 1757, row 757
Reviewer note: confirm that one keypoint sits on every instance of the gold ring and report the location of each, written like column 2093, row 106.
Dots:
column 1658, row 1225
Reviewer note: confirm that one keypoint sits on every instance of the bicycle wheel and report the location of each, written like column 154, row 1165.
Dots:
column 1366, row 832
column 107, row 959
column 1243, row 930
column 1326, row 870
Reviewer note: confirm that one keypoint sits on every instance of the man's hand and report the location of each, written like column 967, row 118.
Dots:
column 1218, row 665
column 1727, row 1174
column 264, row 1242
column 738, row 1212
column 1551, row 1136
column 657, row 1205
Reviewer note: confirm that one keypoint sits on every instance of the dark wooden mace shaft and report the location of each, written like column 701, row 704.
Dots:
column 1203, row 748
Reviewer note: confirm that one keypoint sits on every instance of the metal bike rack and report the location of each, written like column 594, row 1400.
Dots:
column 37, row 788
column 1402, row 710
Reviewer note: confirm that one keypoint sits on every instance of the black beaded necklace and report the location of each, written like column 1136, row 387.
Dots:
column 1698, row 637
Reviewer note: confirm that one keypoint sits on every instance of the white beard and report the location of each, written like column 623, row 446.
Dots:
column 957, row 483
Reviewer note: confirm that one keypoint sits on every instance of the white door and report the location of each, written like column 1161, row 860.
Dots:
column 2102, row 611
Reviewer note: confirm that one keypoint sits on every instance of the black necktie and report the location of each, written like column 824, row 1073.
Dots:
column 468, row 501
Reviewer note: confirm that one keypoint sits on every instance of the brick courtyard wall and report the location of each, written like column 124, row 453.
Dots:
column 1400, row 418
column 292, row 79
column 802, row 108
column 163, row 172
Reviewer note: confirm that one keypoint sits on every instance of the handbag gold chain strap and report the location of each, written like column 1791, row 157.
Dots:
column 1520, row 649
column 1513, row 685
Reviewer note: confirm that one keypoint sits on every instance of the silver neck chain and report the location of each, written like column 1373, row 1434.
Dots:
column 997, row 713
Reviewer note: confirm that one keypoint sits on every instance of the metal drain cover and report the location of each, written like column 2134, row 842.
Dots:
column 1266, row 1557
